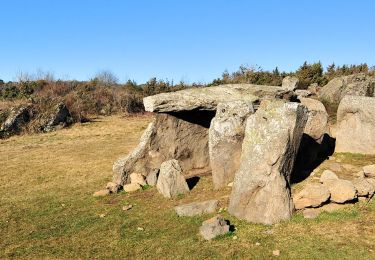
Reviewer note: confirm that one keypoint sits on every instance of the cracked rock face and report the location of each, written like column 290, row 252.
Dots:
column 261, row 188
column 355, row 131
column 225, row 140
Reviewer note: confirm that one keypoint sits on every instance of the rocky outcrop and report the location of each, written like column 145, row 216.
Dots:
column 59, row 118
column 355, row 131
column 208, row 98
column 171, row 182
column 16, row 120
column 356, row 85
column 313, row 195
column 225, row 140
column 290, row 83
column 214, row 227
column 174, row 136
column 261, row 188
column 197, row 208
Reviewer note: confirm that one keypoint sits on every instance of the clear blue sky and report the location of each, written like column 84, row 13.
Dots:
column 193, row 40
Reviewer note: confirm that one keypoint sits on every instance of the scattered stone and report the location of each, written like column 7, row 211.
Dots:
column 140, row 229
column 235, row 238
column 341, row 190
column 257, row 244
column 260, row 190
column 197, row 208
column 127, row 207
column 328, row 175
column 230, row 184
column 171, row 182
column 369, row 171
column 18, row 117
column 311, row 213
column 332, row 207
column 225, row 140
column 290, row 83
column 132, row 187
column 364, row 188
column 331, row 158
column 276, row 252
column 313, row 195
column 214, row 227
column 355, row 125
column 101, row 193
column 101, row 215
column 152, row 177
column 137, row 178
column 112, row 187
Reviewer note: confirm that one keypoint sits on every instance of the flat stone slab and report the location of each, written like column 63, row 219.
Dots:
column 197, row 208
column 207, row 98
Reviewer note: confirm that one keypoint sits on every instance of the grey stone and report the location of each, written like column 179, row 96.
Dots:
column 341, row 190
column 225, row 140
column 59, row 118
column 290, row 83
column 364, row 188
column 313, row 195
column 197, row 208
column 171, row 182
column 132, row 187
column 137, row 178
column 208, row 98
column 112, row 187
column 152, row 177
column 302, row 93
column 18, row 118
column 355, row 132
column 369, row 171
column 328, row 175
column 261, row 190
column 214, row 227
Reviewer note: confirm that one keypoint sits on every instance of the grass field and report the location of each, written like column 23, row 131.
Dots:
column 47, row 209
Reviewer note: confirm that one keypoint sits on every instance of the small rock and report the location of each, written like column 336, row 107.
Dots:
column 276, row 252
column 332, row 207
column 331, row 158
column 127, row 207
column 311, row 213
column 112, row 187
column 369, row 171
column 140, row 229
column 235, row 238
column 257, row 244
column 101, row 193
column 137, row 178
column 313, row 195
column 132, row 187
column 328, row 175
column 197, row 208
column 152, row 177
column 171, row 182
column 341, row 190
column 213, row 227
column 364, row 188
column 230, row 184
column 101, row 215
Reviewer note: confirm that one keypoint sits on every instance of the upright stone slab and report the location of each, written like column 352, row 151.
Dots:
column 171, row 182
column 356, row 125
column 261, row 188
column 225, row 140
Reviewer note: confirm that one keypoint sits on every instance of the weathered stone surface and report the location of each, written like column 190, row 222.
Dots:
column 59, row 118
column 137, row 178
column 328, row 175
column 290, row 83
column 355, row 132
column 341, row 190
column 152, row 177
column 225, row 140
column 197, row 208
column 132, row 187
column 364, row 188
column 171, row 182
column 311, row 213
column 112, row 187
column 369, row 171
column 302, row 93
column 356, row 85
column 316, row 125
column 101, row 193
column 214, row 227
column 332, row 207
column 313, row 195
column 17, row 118
column 207, row 98
column 183, row 137
column 261, row 190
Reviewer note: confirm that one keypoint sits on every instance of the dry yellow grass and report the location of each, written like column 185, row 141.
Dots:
column 47, row 209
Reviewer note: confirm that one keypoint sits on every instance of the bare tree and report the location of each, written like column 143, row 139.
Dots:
column 106, row 78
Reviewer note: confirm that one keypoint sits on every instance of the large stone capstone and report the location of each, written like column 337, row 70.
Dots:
column 261, row 188
column 225, row 140
column 180, row 136
column 356, row 125
column 208, row 98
